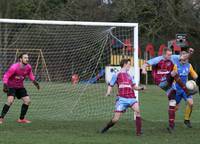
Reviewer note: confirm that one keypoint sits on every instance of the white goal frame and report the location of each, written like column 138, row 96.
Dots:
column 111, row 24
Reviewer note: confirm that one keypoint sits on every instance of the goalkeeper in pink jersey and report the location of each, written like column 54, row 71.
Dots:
column 13, row 81
column 126, row 96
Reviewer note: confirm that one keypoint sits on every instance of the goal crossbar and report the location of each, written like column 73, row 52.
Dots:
column 51, row 22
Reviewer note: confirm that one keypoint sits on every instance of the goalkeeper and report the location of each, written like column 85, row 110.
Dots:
column 13, row 85
column 183, row 68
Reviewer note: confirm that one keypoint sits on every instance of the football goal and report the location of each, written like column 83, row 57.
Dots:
column 60, row 51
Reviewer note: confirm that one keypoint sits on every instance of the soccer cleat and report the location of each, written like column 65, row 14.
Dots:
column 187, row 123
column 170, row 130
column 23, row 121
column 1, row 120
column 139, row 133
column 103, row 130
column 109, row 125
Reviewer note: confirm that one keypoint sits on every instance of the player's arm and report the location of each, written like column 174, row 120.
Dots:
column 150, row 62
column 135, row 87
column 193, row 73
column 144, row 67
column 175, row 69
column 109, row 89
column 175, row 59
column 195, row 76
column 32, row 78
column 36, row 84
column 111, row 84
column 6, row 77
column 139, row 88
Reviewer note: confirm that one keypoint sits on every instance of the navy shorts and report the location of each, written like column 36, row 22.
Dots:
column 17, row 92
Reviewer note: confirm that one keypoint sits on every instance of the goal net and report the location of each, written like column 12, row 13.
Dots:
column 69, row 60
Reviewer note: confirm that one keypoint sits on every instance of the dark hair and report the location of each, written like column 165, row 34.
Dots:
column 166, row 49
column 124, row 61
column 184, row 48
column 21, row 55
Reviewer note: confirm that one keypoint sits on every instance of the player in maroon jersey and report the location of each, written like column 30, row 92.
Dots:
column 126, row 96
column 164, row 76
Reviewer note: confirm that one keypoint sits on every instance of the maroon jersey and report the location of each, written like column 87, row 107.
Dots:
column 125, row 85
column 161, row 70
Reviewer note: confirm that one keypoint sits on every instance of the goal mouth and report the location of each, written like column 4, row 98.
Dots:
column 59, row 50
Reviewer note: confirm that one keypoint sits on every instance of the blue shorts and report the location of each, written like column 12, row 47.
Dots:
column 182, row 95
column 164, row 85
column 123, row 103
column 168, row 88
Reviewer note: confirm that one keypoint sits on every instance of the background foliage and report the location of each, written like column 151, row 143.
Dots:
column 159, row 20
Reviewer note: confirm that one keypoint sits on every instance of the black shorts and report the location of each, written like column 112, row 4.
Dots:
column 17, row 92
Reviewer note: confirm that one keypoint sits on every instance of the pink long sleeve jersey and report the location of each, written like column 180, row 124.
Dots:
column 15, row 75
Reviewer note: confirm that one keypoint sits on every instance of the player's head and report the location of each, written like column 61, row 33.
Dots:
column 167, row 52
column 125, row 63
column 184, row 57
column 23, row 58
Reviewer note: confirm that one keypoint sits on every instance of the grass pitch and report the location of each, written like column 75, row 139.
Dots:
column 65, row 114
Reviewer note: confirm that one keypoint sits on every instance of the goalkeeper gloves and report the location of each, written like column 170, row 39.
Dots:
column 36, row 84
column 5, row 88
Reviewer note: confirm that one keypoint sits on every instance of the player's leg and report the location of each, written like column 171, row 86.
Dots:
column 164, row 85
column 176, row 77
column 120, row 107
column 188, row 111
column 177, row 107
column 6, row 107
column 178, row 100
column 167, row 85
column 22, row 93
column 138, row 120
column 171, row 110
column 112, row 122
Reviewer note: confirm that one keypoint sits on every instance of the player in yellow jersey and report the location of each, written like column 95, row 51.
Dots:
column 184, row 68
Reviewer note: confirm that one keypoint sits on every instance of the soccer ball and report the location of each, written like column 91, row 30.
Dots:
column 191, row 85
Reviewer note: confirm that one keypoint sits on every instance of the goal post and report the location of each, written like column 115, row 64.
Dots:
column 67, row 48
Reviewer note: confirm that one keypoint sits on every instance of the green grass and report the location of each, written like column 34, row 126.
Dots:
column 62, row 113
